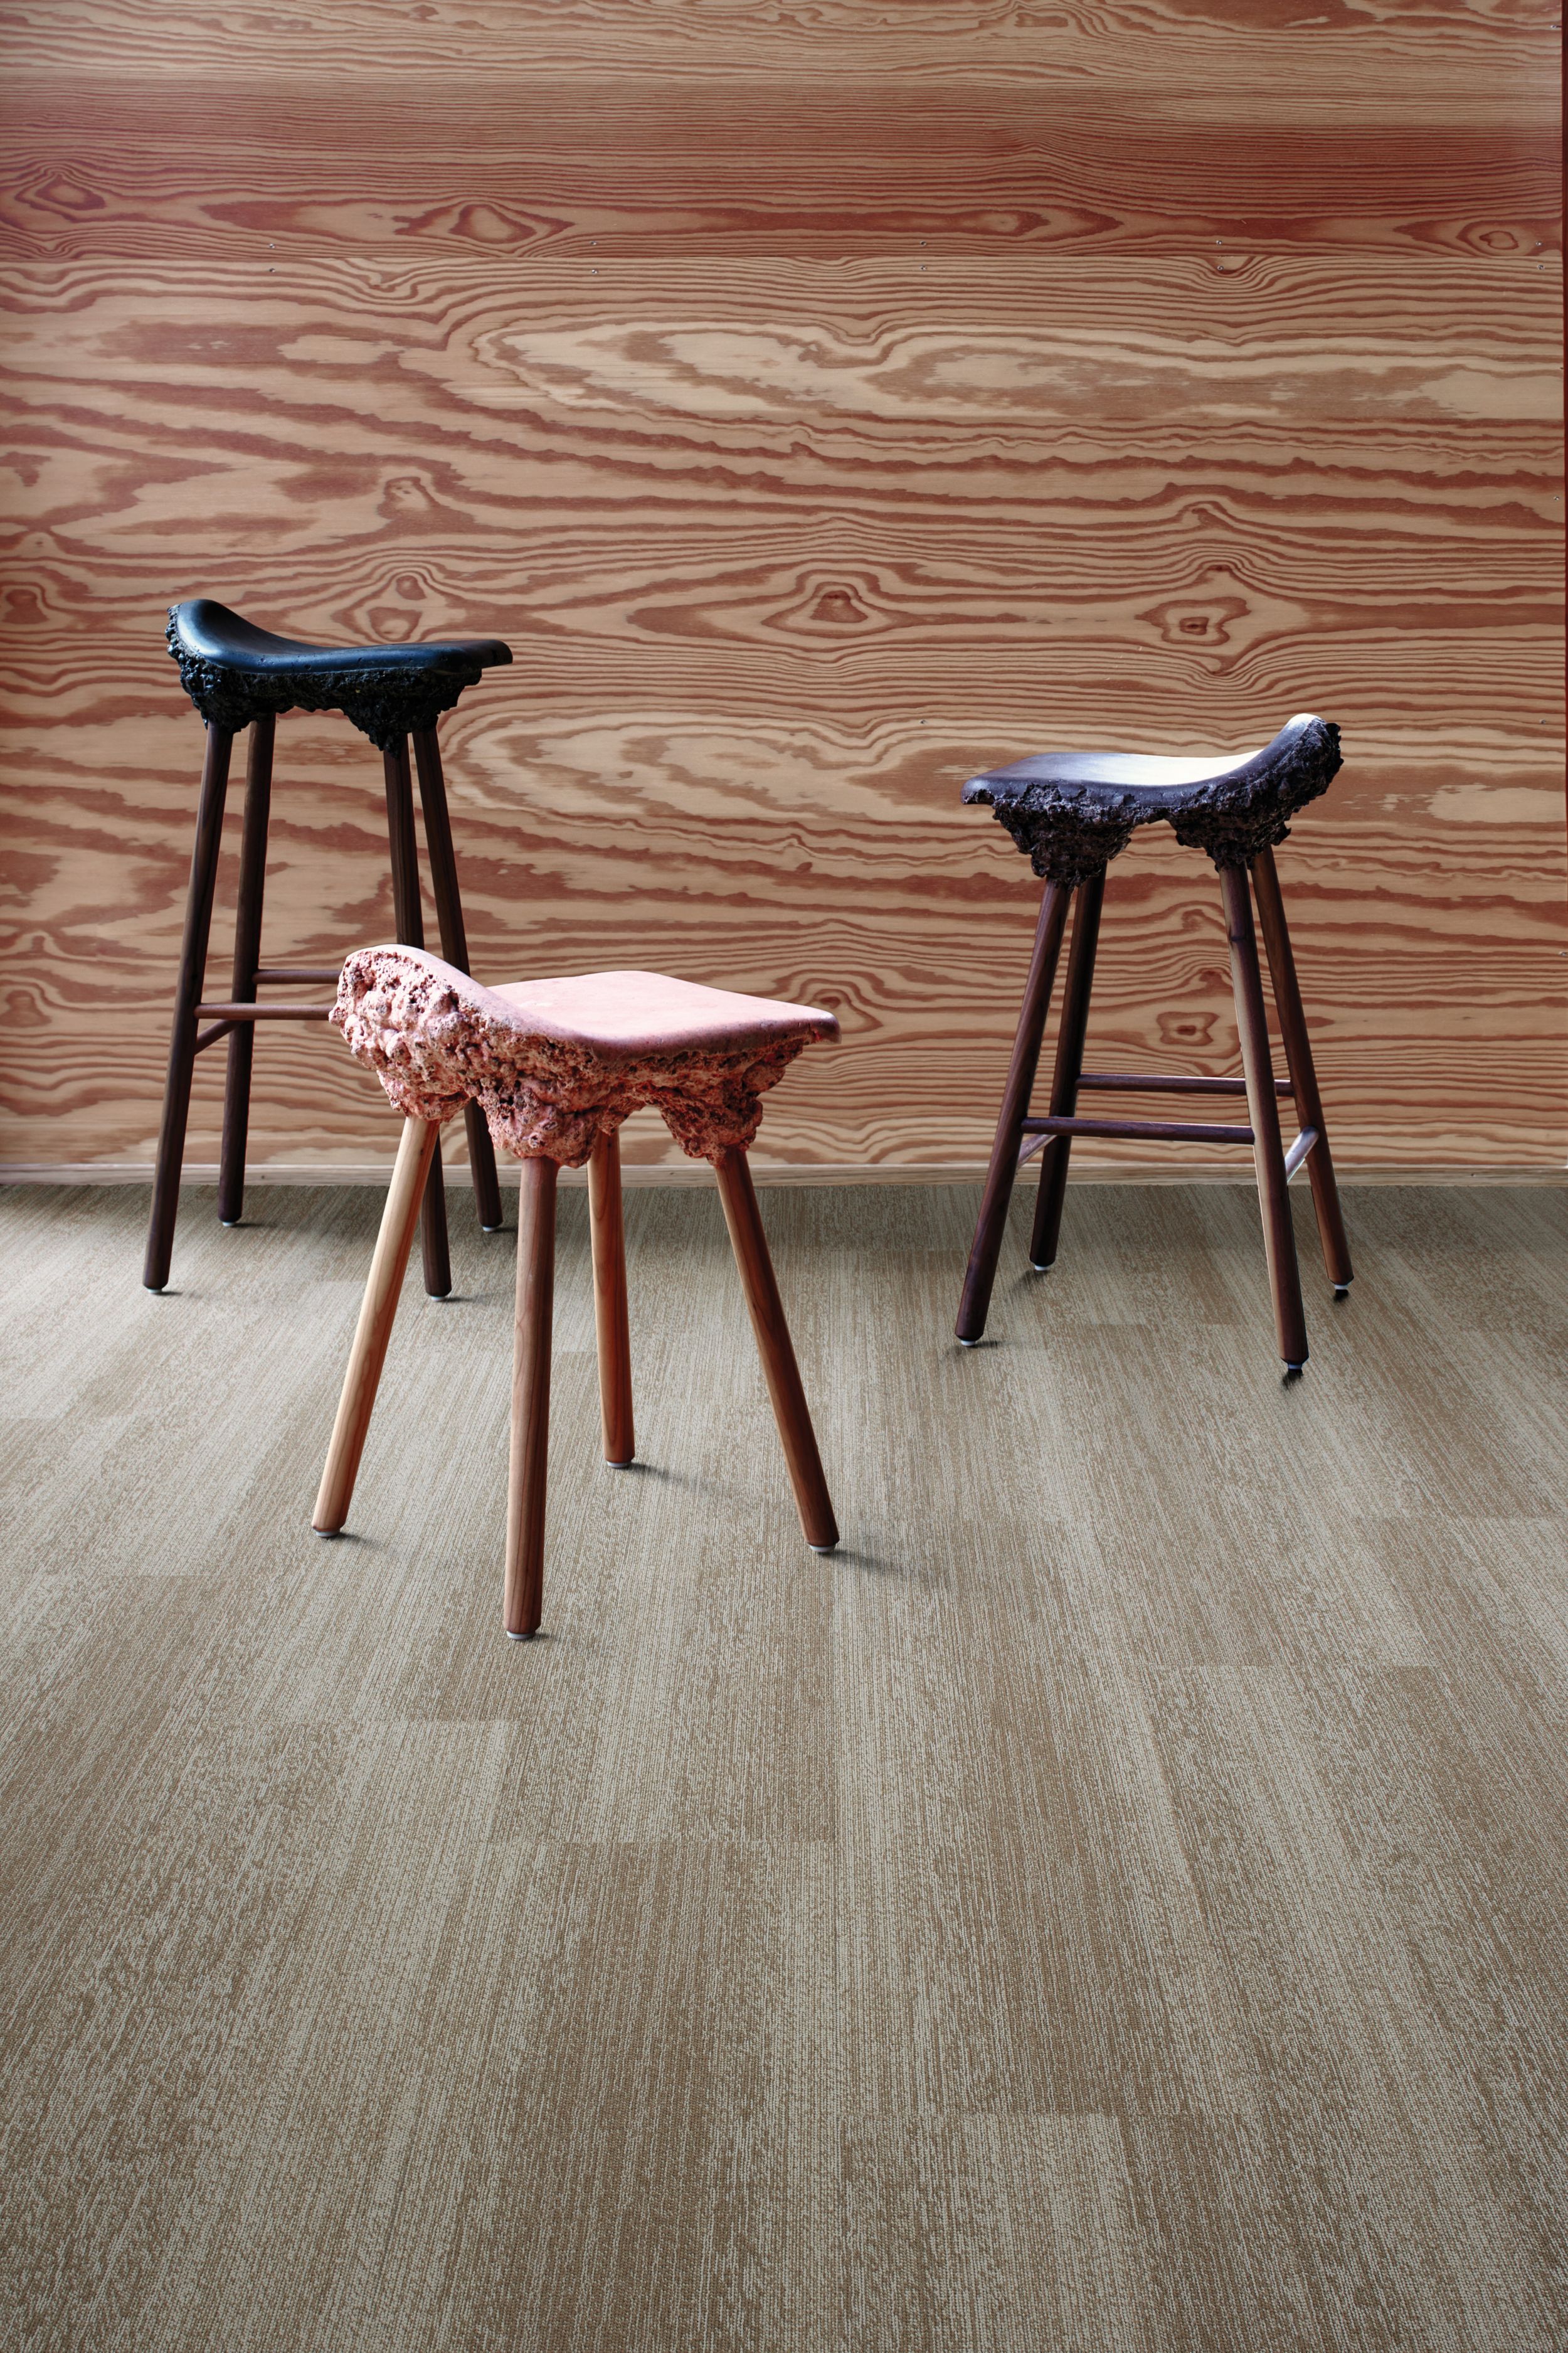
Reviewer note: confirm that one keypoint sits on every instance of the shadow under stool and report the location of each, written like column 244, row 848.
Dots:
column 1071, row 813
column 239, row 676
column 554, row 1067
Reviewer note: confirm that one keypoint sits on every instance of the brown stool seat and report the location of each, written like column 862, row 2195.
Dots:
column 1071, row 813
column 554, row 1067
column 1074, row 811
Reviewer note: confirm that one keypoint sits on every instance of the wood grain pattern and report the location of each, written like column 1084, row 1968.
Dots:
column 826, row 405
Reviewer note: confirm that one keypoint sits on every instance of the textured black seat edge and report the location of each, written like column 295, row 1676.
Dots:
column 1070, row 829
column 1239, row 816
column 234, row 672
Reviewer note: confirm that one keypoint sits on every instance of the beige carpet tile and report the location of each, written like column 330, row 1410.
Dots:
column 1116, row 1902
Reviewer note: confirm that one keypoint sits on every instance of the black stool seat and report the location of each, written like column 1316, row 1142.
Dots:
column 234, row 672
column 1072, row 812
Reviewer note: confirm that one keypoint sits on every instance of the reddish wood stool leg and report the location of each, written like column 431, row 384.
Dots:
column 247, row 956
column 1299, row 1062
column 455, row 948
column 776, row 1349
column 409, row 917
column 1069, row 1065
column 612, row 1323
column 415, row 1151
column 435, row 1251
column 986, row 1248
column 187, row 996
column 1263, row 1109
column 529, row 1466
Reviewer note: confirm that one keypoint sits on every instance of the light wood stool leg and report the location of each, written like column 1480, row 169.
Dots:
column 776, row 1349
column 1263, row 1110
column 387, row 1267
column 530, row 1466
column 612, row 1323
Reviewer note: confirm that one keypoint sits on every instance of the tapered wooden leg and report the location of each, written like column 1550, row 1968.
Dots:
column 1299, row 1061
column 1069, row 1066
column 187, row 996
column 247, row 956
column 612, row 1324
column 409, row 917
column 986, row 1248
column 415, row 1150
column 1263, row 1110
column 435, row 1250
column 529, row 1466
column 776, row 1349
column 455, row 948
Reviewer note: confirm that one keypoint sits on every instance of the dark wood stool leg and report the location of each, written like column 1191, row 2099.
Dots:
column 409, row 917
column 455, row 948
column 1299, row 1062
column 187, row 996
column 530, row 1463
column 247, row 956
column 1263, row 1110
column 986, row 1248
column 612, row 1323
column 435, row 1251
column 776, row 1349
column 1069, row 1065
column 415, row 1150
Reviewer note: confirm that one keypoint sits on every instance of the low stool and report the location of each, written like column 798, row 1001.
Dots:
column 1071, row 813
column 239, row 676
column 554, row 1067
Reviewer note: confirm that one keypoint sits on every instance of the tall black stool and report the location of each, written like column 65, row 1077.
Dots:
column 1072, row 812
column 239, row 676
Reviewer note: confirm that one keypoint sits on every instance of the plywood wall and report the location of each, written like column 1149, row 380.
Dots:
column 825, row 401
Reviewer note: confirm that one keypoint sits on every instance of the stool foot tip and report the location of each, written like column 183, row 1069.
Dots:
column 522, row 1638
column 967, row 1344
column 1341, row 1291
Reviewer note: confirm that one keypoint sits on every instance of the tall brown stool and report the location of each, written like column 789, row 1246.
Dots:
column 239, row 676
column 1072, row 812
column 557, row 1066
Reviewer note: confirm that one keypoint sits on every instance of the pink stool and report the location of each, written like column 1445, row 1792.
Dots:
column 557, row 1066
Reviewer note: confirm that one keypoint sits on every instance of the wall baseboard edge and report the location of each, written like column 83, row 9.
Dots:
column 692, row 1172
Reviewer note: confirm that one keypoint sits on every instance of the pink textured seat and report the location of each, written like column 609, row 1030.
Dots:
column 643, row 1013
column 557, row 1066
column 555, row 1063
